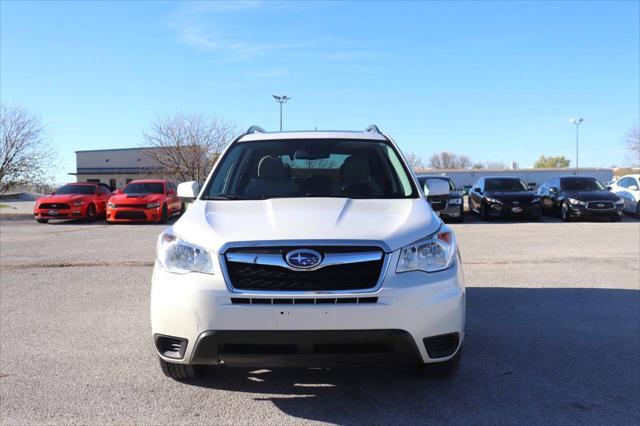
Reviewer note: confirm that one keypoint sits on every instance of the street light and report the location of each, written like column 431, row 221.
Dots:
column 281, row 99
column 576, row 122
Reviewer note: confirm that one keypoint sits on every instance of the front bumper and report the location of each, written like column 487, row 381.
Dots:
column 586, row 213
column 414, row 304
column 74, row 212
column 509, row 210
column 133, row 214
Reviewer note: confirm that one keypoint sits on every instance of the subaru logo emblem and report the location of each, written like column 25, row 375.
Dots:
column 600, row 204
column 303, row 258
column 515, row 203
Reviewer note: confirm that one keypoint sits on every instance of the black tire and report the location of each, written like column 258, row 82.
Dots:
column 484, row 212
column 616, row 218
column 90, row 216
column 638, row 210
column 443, row 369
column 165, row 214
column 42, row 220
column 183, row 372
column 565, row 212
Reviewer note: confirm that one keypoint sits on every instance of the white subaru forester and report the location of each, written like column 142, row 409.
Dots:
column 307, row 249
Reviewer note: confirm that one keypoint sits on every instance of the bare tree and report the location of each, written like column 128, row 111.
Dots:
column 25, row 154
column 633, row 146
column 414, row 161
column 186, row 147
column 449, row 160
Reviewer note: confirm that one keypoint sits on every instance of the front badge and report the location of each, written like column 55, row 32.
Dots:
column 303, row 258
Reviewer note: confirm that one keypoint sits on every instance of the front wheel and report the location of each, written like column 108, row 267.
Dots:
column 90, row 216
column 183, row 372
column 565, row 214
column 42, row 220
column 443, row 369
column 484, row 212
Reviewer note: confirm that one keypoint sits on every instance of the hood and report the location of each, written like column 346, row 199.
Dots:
column 591, row 195
column 392, row 223
column 62, row 198
column 511, row 196
column 135, row 198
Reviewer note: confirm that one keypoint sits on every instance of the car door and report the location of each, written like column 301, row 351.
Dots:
column 172, row 198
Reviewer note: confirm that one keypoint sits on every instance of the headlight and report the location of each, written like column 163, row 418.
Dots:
column 153, row 205
column 619, row 202
column 493, row 200
column 78, row 203
column 455, row 201
column 535, row 200
column 575, row 202
column 431, row 254
column 111, row 205
column 181, row 257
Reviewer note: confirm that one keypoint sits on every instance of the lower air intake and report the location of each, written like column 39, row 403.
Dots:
column 441, row 346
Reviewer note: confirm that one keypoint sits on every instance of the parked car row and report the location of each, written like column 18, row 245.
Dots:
column 569, row 197
column 138, row 201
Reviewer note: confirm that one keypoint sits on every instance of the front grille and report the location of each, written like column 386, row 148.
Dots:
column 131, row 206
column 54, row 206
column 600, row 205
column 130, row 214
column 345, row 277
column 305, row 301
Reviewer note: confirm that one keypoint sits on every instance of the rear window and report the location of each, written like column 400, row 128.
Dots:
column 311, row 168
column 143, row 188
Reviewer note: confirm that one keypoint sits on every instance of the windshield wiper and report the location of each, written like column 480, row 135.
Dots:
column 226, row 197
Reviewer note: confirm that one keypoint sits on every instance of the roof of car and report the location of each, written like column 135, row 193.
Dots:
column 148, row 181
column 306, row 134
column 420, row 176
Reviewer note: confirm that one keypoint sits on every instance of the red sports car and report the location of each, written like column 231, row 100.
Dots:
column 73, row 201
column 144, row 201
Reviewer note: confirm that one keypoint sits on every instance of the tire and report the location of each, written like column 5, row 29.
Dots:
column 484, row 213
column 439, row 370
column 565, row 214
column 90, row 216
column 42, row 220
column 616, row 218
column 638, row 210
column 183, row 372
column 165, row 214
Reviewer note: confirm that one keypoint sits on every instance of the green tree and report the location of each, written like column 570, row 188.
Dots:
column 551, row 162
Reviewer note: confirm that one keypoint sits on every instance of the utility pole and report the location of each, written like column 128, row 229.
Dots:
column 576, row 122
column 281, row 100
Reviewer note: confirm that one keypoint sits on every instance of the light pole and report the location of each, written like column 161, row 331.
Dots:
column 281, row 99
column 576, row 122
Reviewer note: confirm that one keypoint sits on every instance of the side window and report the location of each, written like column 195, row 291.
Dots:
column 625, row 183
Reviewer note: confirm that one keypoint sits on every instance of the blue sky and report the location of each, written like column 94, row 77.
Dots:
column 497, row 81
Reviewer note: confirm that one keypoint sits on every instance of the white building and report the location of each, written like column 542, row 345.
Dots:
column 116, row 167
column 531, row 176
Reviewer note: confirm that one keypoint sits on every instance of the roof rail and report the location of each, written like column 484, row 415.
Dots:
column 255, row 129
column 372, row 128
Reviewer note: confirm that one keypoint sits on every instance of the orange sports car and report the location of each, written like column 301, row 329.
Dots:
column 144, row 201
column 82, row 200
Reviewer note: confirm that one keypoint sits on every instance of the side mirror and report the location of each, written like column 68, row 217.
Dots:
column 188, row 191
column 433, row 187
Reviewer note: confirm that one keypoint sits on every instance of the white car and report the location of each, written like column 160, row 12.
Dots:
column 628, row 188
column 308, row 249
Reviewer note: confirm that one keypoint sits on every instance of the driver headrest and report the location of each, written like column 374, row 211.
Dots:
column 355, row 168
column 271, row 167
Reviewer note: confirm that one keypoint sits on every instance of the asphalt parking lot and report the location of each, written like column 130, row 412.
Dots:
column 553, row 337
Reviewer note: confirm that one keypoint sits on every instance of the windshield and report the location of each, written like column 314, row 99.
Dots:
column 581, row 184
column 76, row 189
column 505, row 185
column 310, row 168
column 422, row 180
column 143, row 188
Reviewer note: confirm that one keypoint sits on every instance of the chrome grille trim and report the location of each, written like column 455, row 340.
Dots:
column 608, row 205
column 329, row 259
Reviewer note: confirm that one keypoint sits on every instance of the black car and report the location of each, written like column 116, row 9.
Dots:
column 575, row 197
column 449, row 207
column 504, row 197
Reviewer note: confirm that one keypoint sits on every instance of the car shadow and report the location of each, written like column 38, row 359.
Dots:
column 471, row 218
column 80, row 222
column 531, row 356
